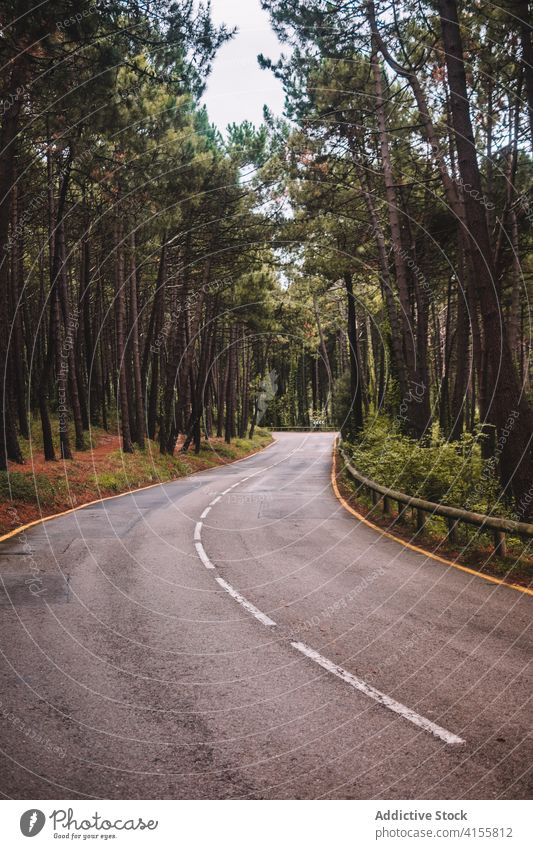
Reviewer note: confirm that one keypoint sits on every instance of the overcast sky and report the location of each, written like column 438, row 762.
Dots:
column 237, row 87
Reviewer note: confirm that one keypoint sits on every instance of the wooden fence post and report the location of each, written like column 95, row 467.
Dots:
column 500, row 543
column 452, row 529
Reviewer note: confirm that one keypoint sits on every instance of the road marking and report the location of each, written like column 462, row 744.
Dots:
column 356, row 683
column 377, row 696
column 262, row 617
column 203, row 556
column 251, row 608
column 417, row 548
column 44, row 519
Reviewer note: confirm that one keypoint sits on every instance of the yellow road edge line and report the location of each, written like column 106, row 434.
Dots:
column 44, row 519
column 410, row 545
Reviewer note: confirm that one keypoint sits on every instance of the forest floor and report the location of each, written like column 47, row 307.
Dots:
column 474, row 551
column 39, row 488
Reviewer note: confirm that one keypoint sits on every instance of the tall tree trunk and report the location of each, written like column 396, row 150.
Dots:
column 120, row 324
column 462, row 369
column 135, row 346
column 153, row 344
column 329, row 395
column 417, row 389
column 398, row 361
column 54, row 325
column 516, row 461
column 231, row 379
column 524, row 12
column 69, row 346
column 9, row 447
column 17, row 309
column 354, row 424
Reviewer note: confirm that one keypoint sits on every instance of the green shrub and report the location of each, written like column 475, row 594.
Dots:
column 32, row 489
column 111, row 481
column 445, row 472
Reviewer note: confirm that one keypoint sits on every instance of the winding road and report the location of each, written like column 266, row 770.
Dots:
column 239, row 634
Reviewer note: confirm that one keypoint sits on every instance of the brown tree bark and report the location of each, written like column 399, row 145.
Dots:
column 52, row 352
column 67, row 357
column 135, row 345
column 231, row 380
column 354, row 423
column 9, row 447
column 16, row 311
column 417, row 390
column 524, row 13
column 506, row 397
column 120, row 325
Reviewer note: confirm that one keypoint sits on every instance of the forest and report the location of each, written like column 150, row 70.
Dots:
column 362, row 263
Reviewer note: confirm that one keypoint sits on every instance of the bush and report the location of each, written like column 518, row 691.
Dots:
column 109, row 481
column 33, row 489
column 451, row 473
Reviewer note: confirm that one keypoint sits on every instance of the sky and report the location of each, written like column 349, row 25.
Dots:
column 237, row 87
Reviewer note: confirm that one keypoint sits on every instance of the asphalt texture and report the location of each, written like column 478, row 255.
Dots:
column 147, row 652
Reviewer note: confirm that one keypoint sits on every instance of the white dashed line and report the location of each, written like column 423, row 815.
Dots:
column 251, row 608
column 377, row 696
column 262, row 617
column 328, row 665
column 203, row 556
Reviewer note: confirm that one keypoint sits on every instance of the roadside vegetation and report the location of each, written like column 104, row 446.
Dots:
column 443, row 472
column 453, row 473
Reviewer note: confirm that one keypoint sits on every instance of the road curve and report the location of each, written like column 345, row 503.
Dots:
column 238, row 634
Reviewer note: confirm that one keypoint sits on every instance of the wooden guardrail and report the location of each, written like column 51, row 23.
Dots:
column 454, row 515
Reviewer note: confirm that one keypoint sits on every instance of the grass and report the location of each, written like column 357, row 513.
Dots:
column 32, row 489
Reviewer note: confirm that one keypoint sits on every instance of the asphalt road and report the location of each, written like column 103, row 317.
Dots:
column 140, row 658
